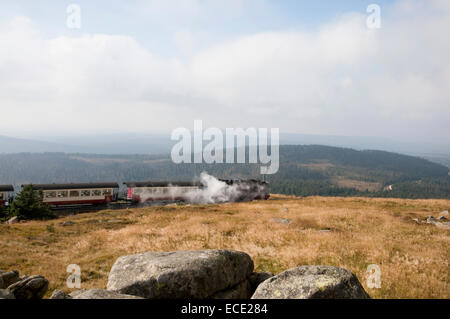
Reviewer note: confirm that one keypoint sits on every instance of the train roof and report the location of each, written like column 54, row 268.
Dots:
column 6, row 188
column 239, row 181
column 161, row 184
column 73, row 186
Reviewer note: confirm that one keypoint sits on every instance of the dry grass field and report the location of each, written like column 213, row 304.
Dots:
column 346, row 232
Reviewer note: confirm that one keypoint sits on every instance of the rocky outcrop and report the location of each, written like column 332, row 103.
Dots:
column 182, row 274
column 8, row 278
column 33, row 287
column 212, row 274
column 440, row 222
column 312, row 282
column 100, row 294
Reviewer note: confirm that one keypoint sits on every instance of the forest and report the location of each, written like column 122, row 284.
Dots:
column 305, row 170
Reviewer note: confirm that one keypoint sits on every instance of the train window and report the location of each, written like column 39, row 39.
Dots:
column 2, row 196
column 85, row 193
column 96, row 192
column 107, row 192
column 74, row 194
column 50, row 194
column 61, row 194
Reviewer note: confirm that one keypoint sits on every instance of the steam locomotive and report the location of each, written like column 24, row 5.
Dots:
column 95, row 194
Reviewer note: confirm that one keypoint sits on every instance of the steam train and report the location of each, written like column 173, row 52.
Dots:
column 95, row 194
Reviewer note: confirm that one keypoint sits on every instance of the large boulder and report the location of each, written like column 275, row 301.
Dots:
column 99, row 294
column 312, row 282
column 33, row 287
column 7, row 278
column 181, row 274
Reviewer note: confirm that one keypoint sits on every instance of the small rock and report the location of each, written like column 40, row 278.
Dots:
column 100, row 294
column 59, row 294
column 67, row 223
column 437, row 223
column 416, row 220
column 8, row 278
column 115, row 221
column 33, row 287
column 281, row 221
column 93, row 221
column 444, row 214
column 442, row 218
column 13, row 220
column 6, row 294
column 312, row 282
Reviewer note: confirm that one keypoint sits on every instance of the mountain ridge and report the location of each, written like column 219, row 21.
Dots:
column 304, row 170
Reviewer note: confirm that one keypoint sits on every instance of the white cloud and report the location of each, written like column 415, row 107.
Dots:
column 340, row 79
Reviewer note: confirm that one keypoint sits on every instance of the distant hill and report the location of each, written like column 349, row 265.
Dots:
column 15, row 145
column 104, row 144
column 304, row 170
column 136, row 143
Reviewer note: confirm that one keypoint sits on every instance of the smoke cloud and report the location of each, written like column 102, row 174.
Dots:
column 212, row 191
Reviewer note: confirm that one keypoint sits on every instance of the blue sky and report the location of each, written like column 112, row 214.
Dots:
column 308, row 67
column 155, row 30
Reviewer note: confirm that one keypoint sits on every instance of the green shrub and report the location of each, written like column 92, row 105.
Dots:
column 29, row 205
column 3, row 213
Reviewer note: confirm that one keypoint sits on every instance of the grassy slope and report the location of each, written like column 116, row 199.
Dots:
column 414, row 259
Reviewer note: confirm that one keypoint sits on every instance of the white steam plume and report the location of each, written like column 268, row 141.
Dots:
column 213, row 191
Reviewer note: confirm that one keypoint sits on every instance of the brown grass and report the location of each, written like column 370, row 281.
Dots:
column 414, row 259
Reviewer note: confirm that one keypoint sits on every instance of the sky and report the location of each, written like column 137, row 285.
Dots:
column 308, row 67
